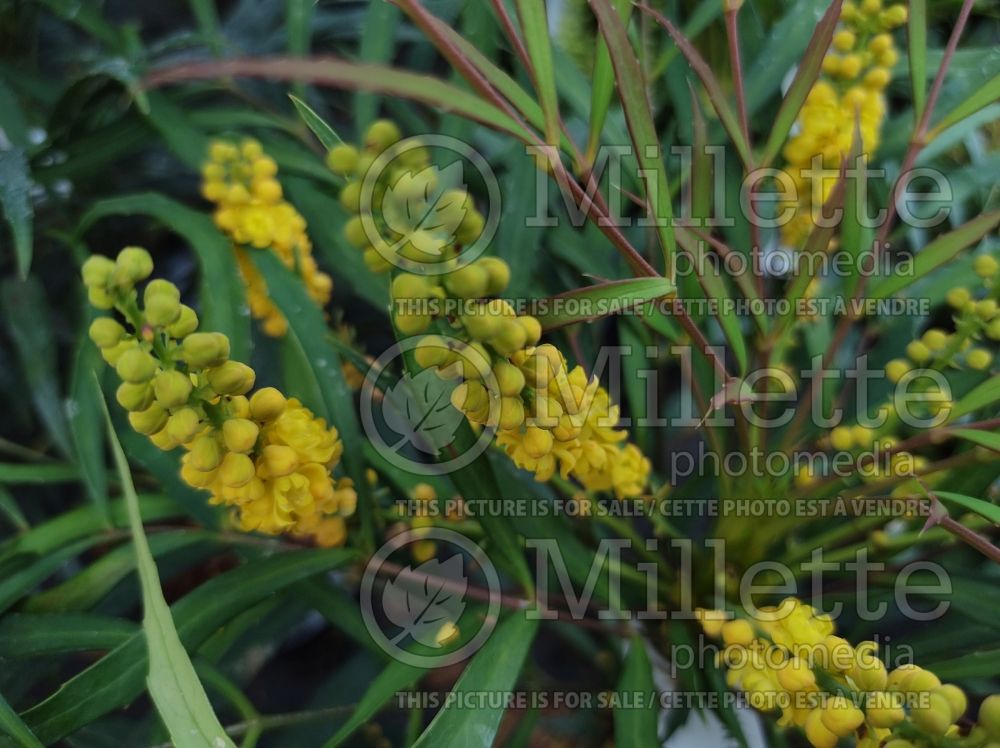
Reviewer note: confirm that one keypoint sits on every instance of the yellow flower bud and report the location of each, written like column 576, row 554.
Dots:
column 375, row 262
column 148, row 421
column 920, row 681
column 136, row 365
column 989, row 716
column 232, row 378
column 350, row 196
column 885, row 709
column 978, row 359
column 511, row 413
column 880, row 43
column 96, row 271
column 410, row 286
column 342, row 159
column 850, row 67
column 537, row 442
column 817, row 733
column 468, row 282
column 136, row 396
column 918, row 352
column 841, row 717
column 985, row 266
column 99, row 298
column 266, row 404
column 843, row 41
column 354, row 232
column 266, row 189
column 205, row 454
column 183, row 425
column 411, row 323
column 958, row 297
column 172, row 388
column 381, row 134
column 162, row 310
column 236, row 470
column 510, row 338
column 480, row 324
column 132, row 265
column 204, row 349
column 935, row 717
column 279, row 460
column 113, row 354
column 510, row 379
column 185, row 324
column 877, row 78
column 956, row 698
column 532, row 329
column 240, row 434
column 897, row 369
column 795, row 675
column 430, row 351
column 737, row 633
column 471, row 227
column 498, row 272
column 841, row 438
column 986, row 309
column 894, row 16
column 105, row 332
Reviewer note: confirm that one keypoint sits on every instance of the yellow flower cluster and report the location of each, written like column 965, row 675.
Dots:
column 851, row 91
column 267, row 457
column 549, row 418
column 789, row 660
column 250, row 208
column 408, row 212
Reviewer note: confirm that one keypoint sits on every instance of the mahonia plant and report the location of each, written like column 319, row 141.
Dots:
column 404, row 189
column 266, row 456
column 849, row 95
column 789, row 660
column 251, row 210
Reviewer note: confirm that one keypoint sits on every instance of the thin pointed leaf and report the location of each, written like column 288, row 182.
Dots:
column 635, row 725
column 15, row 202
column 326, row 135
column 602, row 300
column 979, row 506
column 916, row 31
column 648, row 151
column 535, row 27
column 982, row 97
column 986, row 439
column 378, row 37
column 937, row 253
column 603, row 85
column 396, row 677
column 11, row 724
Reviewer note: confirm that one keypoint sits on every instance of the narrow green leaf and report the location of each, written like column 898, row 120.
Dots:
column 601, row 300
column 326, row 135
column 979, row 506
column 207, row 18
column 117, row 678
column 937, row 253
column 223, row 296
column 16, row 585
column 39, row 473
column 84, row 415
column 26, row 311
column 916, row 32
column 805, row 76
column 378, row 37
column 396, row 677
column 25, row 636
column 979, row 397
column 635, row 726
column 983, row 438
column 307, row 324
column 11, row 724
column 982, row 97
column 15, row 201
column 298, row 22
column 984, row 664
column 535, row 28
column 355, row 76
column 646, row 143
column 602, row 86
column 10, row 510
column 174, row 687
column 494, row 669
